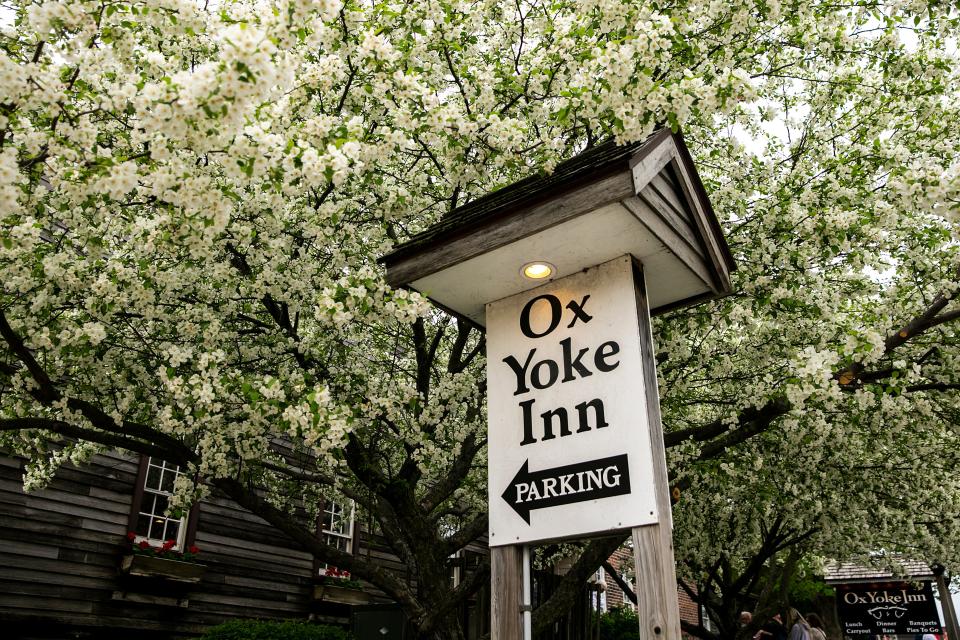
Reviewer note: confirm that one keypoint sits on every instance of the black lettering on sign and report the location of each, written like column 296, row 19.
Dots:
column 555, row 311
column 520, row 371
column 591, row 480
column 542, row 380
column 546, row 372
column 570, row 363
column 561, row 418
column 527, row 423
column 578, row 312
column 547, row 417
column 599, row 423
column 604, row 351
column 887, row 608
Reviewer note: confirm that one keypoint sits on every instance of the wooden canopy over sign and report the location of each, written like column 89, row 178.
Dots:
column 835, row 573
column 644, row 199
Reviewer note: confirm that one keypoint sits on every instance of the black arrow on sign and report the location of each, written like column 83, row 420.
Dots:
column 570, row 483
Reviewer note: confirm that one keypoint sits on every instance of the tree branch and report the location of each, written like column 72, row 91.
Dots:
column 302, row 475
column 756, row 424
column 752, row 421
column 455, row 362
column 279, row 313
column 950, row 316
column 627, row 591
column 298, row 474
column 465, row 589
column 67, row 430
column 390, row 584
column 456, row 78
column 450, row 481
column 697, row 630
column 569, row 587
column 916, row 326
column 933, row 386
column 715, row 428
column 467, row 534
column 101, row 420
column 46, row 392
column 425, row 354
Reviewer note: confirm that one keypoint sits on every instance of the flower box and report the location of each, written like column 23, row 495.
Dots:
column 338, row 594
column 166, row 568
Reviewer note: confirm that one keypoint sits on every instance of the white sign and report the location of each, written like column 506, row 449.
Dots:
column 569, row 443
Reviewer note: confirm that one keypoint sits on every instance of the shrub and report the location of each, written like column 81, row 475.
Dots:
column 274, row 630
column 620, row 623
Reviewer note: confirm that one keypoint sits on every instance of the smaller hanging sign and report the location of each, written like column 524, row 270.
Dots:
column 889, row 608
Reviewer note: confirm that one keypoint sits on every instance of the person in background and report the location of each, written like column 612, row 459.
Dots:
column 817, row 631
column 773, row 629
column 799, row 629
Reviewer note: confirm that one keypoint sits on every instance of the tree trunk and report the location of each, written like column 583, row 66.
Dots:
column 446, row 628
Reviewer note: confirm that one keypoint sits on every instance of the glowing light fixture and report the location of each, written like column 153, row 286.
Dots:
column 538, row 270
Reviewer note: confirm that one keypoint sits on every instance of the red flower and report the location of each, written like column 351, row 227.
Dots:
column 169, row 545
column 334, row 572
column 131, row 536
column 144, row 544
column 194, row 549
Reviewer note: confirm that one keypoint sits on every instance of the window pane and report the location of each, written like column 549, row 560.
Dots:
column 169, row 477
column 153, row 477
column 335, row 525
column 143, row 525
column 173, row 529
column 338, row 542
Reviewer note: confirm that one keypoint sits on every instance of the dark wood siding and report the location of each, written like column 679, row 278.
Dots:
column 60, row 549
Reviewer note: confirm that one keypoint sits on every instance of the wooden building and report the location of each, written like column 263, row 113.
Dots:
column 62, row 550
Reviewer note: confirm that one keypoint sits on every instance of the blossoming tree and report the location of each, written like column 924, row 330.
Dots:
column 195, row 195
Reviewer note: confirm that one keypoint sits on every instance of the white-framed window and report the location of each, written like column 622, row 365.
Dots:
column 457, row 574
column 705, row 618
column 601, row 581
column 153, row 525
column 336, row 526
column 627, row 602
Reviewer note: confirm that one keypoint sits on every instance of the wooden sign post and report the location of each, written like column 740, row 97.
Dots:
column 564, row 271
column 654, row 567
column 506, row 593
column 946, row 603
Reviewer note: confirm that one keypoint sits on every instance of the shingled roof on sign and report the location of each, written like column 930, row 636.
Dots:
column 566, row 175
column 644, row 199
column 851, row 572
